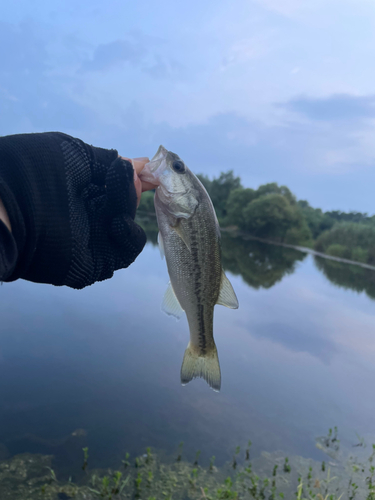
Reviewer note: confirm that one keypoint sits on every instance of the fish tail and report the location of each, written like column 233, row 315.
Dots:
column 206, row 367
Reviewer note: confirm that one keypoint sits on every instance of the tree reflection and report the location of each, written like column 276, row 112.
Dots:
column 261, row 265
column 348, row 276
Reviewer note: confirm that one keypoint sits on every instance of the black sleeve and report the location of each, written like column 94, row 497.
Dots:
column 71, row 208
column 8, row 252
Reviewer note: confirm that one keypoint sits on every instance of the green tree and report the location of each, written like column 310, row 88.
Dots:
column 205, row 181
column 219, row 190
column 299, row 234
column 237, row 201
column 270, row 216
column 315, row 218
column 146, row 205
column 274, row 188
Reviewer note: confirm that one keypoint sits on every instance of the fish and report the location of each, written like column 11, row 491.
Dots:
column 189, row 238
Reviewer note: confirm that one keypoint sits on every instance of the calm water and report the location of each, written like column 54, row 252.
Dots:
column 296, row 359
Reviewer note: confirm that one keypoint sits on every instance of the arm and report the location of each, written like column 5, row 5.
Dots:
column 70, row 207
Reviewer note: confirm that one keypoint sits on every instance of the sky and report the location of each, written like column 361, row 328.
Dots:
column 276, row 90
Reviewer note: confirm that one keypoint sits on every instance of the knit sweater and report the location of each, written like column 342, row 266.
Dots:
column 71, row 207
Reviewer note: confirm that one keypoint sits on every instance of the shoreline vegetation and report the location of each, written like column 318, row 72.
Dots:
column 273, row 213
column 341, row 475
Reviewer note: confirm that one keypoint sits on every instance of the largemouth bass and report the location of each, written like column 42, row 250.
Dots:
column 189, row 237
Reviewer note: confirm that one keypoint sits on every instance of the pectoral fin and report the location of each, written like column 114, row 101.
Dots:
column 227, row 296
column 182, row 234
column 171, row 305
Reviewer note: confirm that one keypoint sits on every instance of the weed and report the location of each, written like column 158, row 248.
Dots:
column 287, row 467
column 248, row 450
column 138, row 482
column 52, row 472
column 148, row 456
column 126, row 461
column 234, row 463
column 150, row 477
column 85, row 458
column 180, row 448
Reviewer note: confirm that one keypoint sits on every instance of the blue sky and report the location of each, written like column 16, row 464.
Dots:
column 277, row 90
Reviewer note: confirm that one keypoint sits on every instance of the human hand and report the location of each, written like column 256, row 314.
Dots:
column 140, row 186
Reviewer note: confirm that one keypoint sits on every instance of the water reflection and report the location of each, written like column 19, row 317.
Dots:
column 348, row 276
column 262, row 265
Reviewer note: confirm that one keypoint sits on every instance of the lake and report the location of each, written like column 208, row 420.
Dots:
column 100, row 367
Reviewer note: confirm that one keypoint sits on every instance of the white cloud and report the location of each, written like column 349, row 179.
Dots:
column 245, row 50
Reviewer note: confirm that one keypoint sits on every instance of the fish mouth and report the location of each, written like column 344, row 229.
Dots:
column 160, row 153
column 149, row 172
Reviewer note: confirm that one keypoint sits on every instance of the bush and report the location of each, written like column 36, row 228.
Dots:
column 357, row 239
column 299, row 235
column 337, row 250
column 359, row 254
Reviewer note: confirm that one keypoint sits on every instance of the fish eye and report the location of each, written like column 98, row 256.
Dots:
column 178, row 166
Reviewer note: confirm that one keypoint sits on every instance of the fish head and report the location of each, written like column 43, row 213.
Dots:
column 175, row 182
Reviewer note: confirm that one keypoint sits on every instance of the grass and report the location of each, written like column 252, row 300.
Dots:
column 268, row 477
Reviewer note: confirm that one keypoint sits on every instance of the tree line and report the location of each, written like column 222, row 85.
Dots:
column 273, row 212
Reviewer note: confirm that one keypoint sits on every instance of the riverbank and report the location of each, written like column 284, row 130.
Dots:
column 269, row 476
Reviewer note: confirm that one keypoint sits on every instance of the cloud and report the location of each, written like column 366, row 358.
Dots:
column 134, row 51
column 31, row 98
column 334, row 108
column 113, row 53
column 306, row 8
column 323, row 149
column 246, row 50
column 299, row 339
column 23, row 51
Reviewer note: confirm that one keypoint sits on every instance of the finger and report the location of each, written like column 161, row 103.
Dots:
column 138, row 187
column 138, row 163
column 147, row 186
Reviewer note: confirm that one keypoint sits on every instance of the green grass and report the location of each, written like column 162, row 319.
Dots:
column 268, row 477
